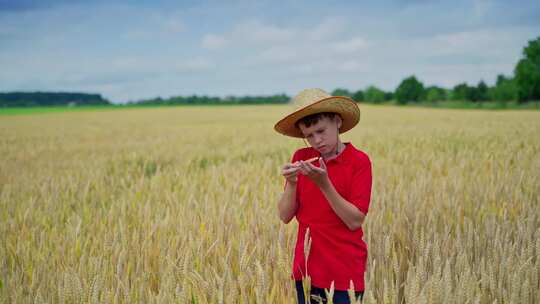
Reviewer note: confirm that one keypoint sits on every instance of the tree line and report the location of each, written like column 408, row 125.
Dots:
column 34, row 99
column 521, row 87
column 208, row 100
column 412, row 90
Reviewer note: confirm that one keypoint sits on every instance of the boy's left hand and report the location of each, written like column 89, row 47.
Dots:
column 318, row 175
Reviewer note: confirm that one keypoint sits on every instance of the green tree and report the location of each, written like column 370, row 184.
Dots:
column 504, row 89
column 388, row 96
column 434, row 93
column 358, row 96
column 374, row 94
column 527, row 72
column 342, row 92
column 481, row 92
column 410, row 89
column 474, row 93
column 461, row 92
column 31, row 99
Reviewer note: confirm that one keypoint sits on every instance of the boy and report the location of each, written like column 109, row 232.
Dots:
column 330, row 199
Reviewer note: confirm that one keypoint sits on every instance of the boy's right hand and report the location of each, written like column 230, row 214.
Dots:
column 290, row 172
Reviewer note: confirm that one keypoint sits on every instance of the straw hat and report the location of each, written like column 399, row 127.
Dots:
column 312, row 101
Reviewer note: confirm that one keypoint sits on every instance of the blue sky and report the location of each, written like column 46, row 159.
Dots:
column 130, row 50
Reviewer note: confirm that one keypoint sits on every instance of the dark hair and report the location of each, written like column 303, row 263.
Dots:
column 314, row 118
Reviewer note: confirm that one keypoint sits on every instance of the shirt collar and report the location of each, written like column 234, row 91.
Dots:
column 342, row 158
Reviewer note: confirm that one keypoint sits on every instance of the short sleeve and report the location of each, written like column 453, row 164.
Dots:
column 361, row 186
column 296, row 156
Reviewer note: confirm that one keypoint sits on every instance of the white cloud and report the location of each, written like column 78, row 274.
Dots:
column 487, row 43
column 153, row 24
column 268, row 44
column 349, row 46
column 303, row 68
column 327, row 29
column 351, row 66
column 144, row 67
column 211, row 41
column 173, row 25
column 194, row 65
column 279, row 54
column 256, row 31
column 482, row 8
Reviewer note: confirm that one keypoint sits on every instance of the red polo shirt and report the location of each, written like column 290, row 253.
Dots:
column 337, row 253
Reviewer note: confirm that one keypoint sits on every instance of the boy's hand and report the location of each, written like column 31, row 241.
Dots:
column 290, row 172
column 318, row 175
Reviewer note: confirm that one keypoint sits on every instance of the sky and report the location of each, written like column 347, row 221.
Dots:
column 133, row 50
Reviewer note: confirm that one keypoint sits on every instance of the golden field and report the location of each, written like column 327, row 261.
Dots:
column 178, row 205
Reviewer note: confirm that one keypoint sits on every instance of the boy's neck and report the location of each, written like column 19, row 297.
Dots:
column 335, row 152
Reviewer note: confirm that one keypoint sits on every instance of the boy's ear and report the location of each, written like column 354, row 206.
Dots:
column 339, row 121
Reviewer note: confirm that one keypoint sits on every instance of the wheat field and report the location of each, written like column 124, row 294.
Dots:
column 178, row 205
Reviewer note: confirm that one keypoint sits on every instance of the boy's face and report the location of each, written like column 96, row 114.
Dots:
column 323, row 135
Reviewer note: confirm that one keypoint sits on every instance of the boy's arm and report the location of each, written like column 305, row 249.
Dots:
column 347, row 212
column 287, row 204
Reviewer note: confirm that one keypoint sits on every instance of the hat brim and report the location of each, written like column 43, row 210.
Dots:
column 344, row 106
